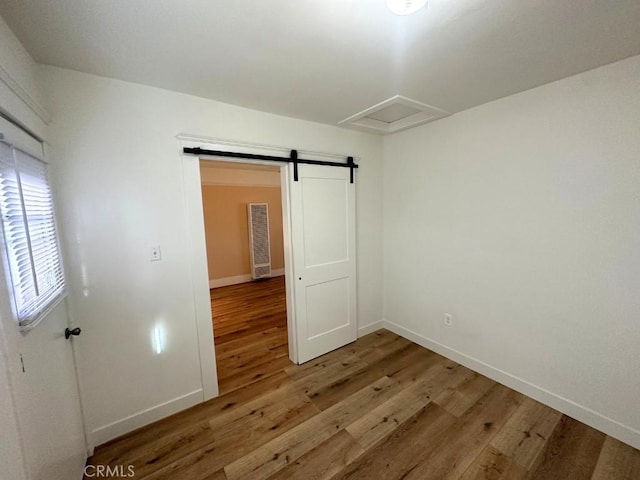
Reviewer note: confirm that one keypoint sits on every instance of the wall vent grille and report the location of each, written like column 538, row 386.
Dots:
column 259, row 241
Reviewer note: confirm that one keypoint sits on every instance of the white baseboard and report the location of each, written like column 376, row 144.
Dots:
column 370, row 328
column 227, row 281
column 581, row 413
column 114, row 430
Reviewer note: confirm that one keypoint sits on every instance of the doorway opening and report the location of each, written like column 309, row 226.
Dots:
column 319, row 219
column 244, row 232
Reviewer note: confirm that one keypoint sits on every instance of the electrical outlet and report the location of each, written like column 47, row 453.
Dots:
column 156, row 254
column 448, row 320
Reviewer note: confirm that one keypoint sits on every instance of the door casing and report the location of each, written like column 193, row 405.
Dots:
column 194, row 225
column 197, row 246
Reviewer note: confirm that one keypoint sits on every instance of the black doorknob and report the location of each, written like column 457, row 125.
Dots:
column 75, row 332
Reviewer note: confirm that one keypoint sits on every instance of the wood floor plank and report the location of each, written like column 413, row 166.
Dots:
column 617, row 461
column 324, row 461
column 321, row 378
column 381, row 421
column 312, row 367
column 199, row 465
column 384, row 419
column 359, row 348
column 492, row 464
column 389, row 346
column 370, row 341
column 459, row 399
column 270, row 405
column 250, row 341
column 234, row 330
column 249, row 362
column 524, row 436
column 248, row 393
column 233, row 441
column 414, row 368
column 403, row 450
column 219, row 475
column 247, row 351
column 167, row 449
column 399, row 365
column 571, row 452
column 250, row 331
column 239, row 363
column 469, row 437
column 341, row 386
column 287, row 448
column 253, row 374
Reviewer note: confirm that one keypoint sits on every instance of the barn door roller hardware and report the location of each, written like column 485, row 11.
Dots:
column 292, row 158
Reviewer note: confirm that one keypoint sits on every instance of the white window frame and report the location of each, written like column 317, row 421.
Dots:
column 16, row 138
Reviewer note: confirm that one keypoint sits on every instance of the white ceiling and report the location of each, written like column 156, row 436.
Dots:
column 326, row 60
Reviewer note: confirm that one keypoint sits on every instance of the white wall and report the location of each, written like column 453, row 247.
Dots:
column 20, row 90
column 19, row 76
column 241, row 177
column 120, row 181
column 521, row 217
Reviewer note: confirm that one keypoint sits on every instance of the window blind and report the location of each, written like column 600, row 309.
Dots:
column 31, row 243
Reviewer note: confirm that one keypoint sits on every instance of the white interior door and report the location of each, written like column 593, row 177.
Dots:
column 323, row 233
column 41, row 370
column 46, row 398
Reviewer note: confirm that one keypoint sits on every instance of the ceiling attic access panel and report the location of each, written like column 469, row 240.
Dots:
column 393, row 115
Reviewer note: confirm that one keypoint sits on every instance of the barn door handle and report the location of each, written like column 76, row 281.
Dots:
column 75, row 332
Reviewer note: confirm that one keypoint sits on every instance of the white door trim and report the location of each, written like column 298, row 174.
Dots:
column 197, row 251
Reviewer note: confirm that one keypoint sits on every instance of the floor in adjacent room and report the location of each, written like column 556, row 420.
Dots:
column 379, row 408
column 250, row 329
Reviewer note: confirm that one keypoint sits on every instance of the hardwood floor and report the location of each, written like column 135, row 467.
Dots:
column 380, row 408
column 250, row 330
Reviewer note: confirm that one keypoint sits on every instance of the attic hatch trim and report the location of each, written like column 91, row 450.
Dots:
column 426, row 113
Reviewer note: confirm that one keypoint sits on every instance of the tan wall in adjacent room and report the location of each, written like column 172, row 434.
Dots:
column 227, row 232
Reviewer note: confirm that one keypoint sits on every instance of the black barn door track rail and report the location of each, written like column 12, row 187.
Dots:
column 292, row 158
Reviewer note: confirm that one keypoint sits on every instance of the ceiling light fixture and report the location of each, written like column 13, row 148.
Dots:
column 405, row 7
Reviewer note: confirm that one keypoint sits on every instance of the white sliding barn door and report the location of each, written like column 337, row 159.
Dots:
column 323, row 233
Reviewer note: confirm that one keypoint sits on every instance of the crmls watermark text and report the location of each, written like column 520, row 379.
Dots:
column 109, row 471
